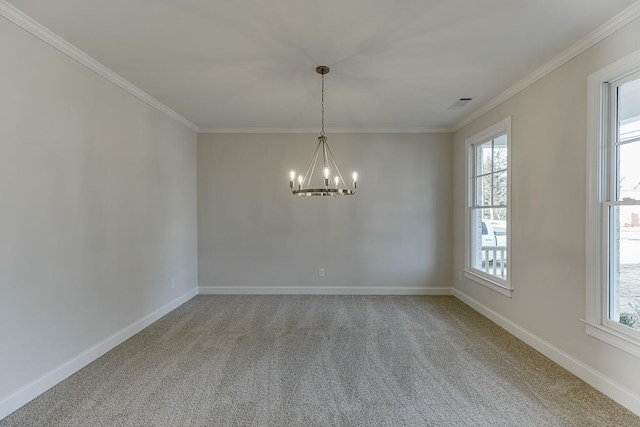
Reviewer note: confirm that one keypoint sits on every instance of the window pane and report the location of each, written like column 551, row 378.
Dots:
column 483, row 158
column 624, row 262
column 500, row 153
column 500, row 188
column 478, row 230
column 629, row 110
column 483, row 190
column 629, row 171
column 489, row 241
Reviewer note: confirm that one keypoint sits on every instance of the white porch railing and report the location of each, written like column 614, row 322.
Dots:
column 495, row 260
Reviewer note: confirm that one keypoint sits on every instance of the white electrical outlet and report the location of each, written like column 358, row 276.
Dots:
column 321, row 272
column 173, row 283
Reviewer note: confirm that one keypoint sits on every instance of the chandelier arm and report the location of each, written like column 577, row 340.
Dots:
column 313, row 169
column 324, row 153
column 336, row 165
column 312, row 166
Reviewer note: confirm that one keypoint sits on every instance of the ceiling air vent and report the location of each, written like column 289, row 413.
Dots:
column 460, row 103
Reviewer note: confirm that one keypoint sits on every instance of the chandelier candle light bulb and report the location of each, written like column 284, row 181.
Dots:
column 355, row 179
column 305, row 182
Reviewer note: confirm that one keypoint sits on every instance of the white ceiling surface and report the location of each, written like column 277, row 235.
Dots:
column 251, row 63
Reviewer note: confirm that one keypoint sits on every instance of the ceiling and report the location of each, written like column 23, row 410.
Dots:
column 251, row 63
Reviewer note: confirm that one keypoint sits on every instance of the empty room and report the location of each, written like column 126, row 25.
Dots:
column 327, row 213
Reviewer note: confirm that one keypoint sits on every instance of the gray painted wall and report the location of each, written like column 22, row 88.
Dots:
column 549, row 184
column 395, row 232
column 97, row 208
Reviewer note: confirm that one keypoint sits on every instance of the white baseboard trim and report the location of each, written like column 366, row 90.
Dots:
column 32, row 390
column 318, row 290
column 597, row 380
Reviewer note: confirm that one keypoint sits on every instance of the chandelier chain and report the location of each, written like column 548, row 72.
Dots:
column 322, row 103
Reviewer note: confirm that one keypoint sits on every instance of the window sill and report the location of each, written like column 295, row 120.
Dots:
column 500, row 288
column 613, row 337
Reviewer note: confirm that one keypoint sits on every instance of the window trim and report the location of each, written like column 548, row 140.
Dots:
column 502, row 286
column 600, row 112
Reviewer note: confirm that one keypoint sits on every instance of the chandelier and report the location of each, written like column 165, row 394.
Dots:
column 301, row 185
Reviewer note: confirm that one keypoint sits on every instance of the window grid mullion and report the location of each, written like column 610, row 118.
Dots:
column 489, row 207
column 490, row 173
column 628, row 141
column 610, row 203
column 492, row 166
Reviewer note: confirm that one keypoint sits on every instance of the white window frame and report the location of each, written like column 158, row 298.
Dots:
column 600, row 117
column 502, row 286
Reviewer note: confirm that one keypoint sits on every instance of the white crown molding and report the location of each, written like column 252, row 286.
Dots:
column 27, row 23
column 22, row 20
column 328, row 130
column 608, row 28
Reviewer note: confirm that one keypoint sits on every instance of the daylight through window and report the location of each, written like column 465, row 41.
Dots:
column 488, row 256
column 622, row 204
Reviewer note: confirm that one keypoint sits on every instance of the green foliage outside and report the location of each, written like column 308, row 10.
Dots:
column 631, row 319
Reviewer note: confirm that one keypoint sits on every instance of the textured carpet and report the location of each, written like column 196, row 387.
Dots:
column 322, row 360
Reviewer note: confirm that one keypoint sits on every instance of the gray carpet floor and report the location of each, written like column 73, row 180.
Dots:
column 322, row 361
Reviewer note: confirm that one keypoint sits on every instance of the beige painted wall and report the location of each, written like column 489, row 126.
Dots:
column 97, row 208
column 395, row 232
column 549, row 184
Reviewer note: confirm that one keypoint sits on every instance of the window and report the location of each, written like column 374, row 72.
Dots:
column 487, row 248
column 613, row 311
